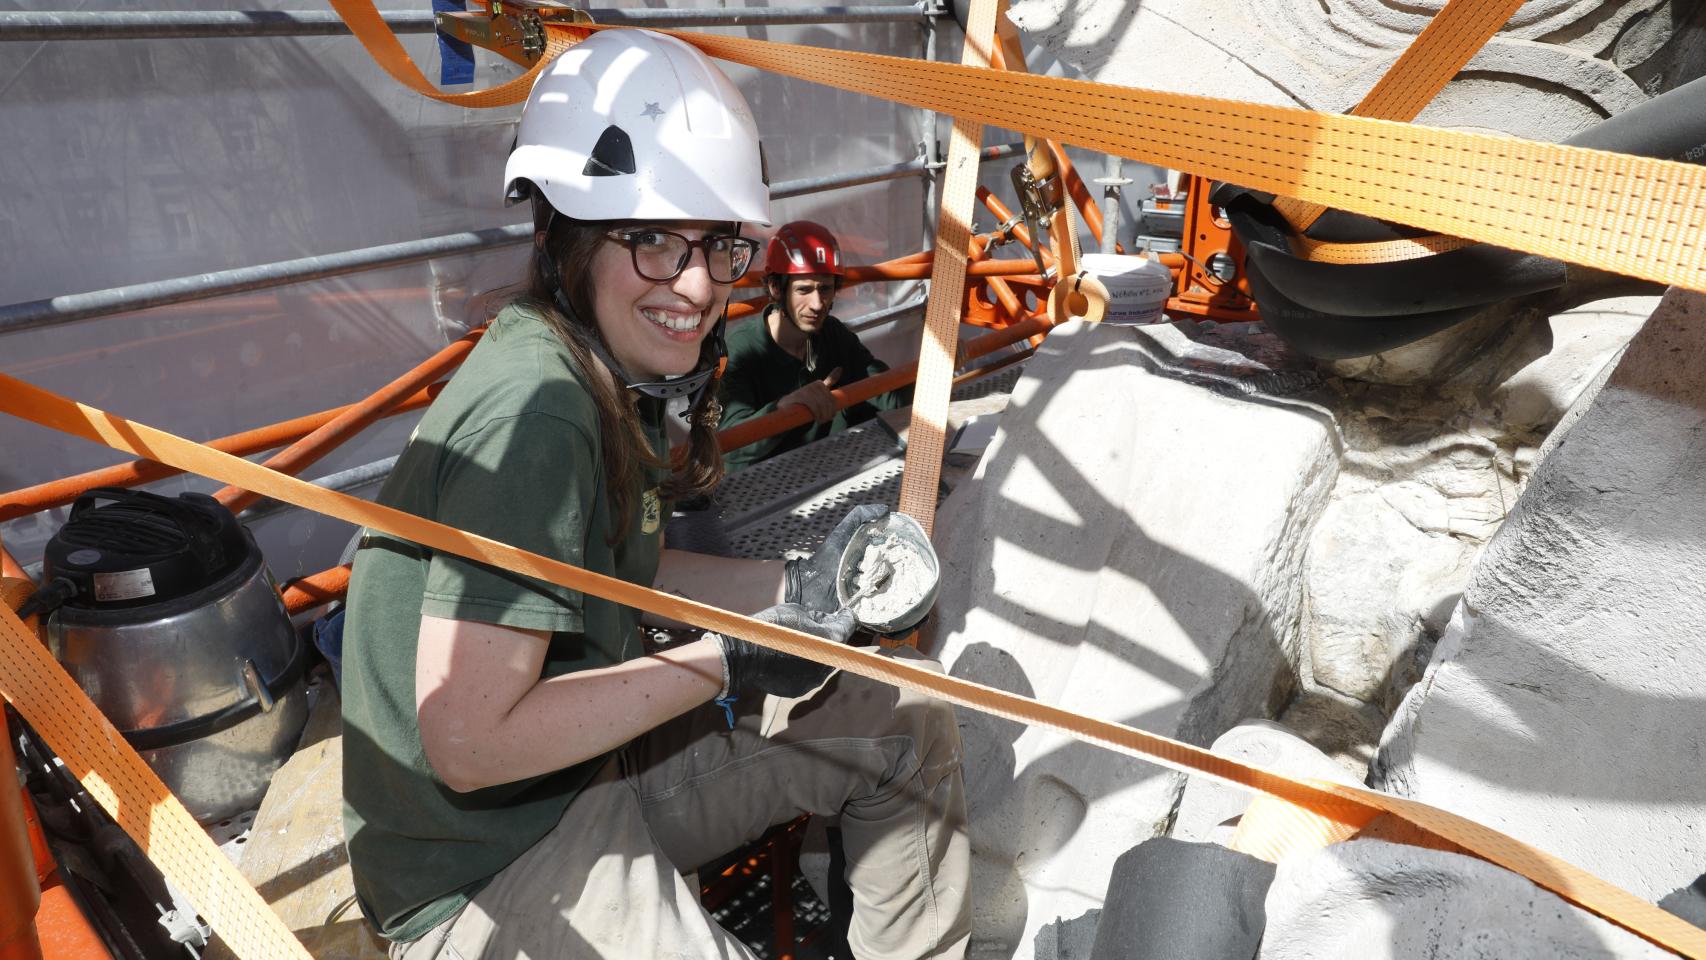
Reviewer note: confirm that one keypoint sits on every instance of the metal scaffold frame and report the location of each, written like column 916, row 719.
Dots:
column 1009, row 296
column 164, row 25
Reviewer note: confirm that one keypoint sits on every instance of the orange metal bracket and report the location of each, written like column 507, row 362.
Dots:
column 1208, row 238
column 1005, row 307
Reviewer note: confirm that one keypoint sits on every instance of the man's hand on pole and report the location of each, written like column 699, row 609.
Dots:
column 815, row 397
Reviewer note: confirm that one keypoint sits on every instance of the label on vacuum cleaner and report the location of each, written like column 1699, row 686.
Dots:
column 124, row 585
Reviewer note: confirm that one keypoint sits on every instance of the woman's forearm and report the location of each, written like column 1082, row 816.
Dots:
column 486, row 718
column 592, row 712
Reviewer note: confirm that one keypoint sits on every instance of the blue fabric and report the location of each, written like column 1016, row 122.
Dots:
column 329, row 640
column 455, row 57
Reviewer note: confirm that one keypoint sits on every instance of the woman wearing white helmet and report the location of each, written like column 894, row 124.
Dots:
column 519, row 777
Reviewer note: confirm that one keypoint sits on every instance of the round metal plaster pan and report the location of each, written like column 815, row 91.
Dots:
column 912, row 536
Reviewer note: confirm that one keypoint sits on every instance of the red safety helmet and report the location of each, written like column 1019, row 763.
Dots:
column 803, row 247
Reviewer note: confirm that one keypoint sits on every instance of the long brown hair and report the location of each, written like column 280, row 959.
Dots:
column 566, row 252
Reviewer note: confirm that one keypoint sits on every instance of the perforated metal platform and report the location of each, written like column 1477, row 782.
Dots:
column 785, row 506
column 798, row 530
column 783, row 480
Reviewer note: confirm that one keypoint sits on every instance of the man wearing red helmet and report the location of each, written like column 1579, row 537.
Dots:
column 798, row 351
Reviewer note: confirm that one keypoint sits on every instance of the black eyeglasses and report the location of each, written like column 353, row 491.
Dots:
column 660, row 255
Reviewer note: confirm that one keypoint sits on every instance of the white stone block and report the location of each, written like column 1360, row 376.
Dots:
column 1128, row 548
column 1369, row 900
column 1566, row 703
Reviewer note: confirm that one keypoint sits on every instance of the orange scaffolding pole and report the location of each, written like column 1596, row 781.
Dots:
column 10, row 567
column 355, row 418
column 320, row 588
column 795, row 415
column 1077, row 190
column 1020, row 232
column 901, row 270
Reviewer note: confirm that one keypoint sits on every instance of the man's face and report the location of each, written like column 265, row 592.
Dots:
column 808, row 299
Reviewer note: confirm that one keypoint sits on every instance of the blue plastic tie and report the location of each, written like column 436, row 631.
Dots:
column 728, row 705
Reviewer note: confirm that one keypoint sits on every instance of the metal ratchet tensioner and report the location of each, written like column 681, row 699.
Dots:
column 1039, row 200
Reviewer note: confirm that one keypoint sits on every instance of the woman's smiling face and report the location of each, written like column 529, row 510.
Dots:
column 654, row 329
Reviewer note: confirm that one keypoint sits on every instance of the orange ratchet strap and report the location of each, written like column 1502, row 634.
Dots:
column 55, row 705
column 1430, row 61
column 922, row 471
column 1631, row 215
column 116, row 776
column 382, row 44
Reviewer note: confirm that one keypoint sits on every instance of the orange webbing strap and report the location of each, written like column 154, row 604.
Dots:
column 927, row 435
column 1062, row 230
column 124, row 786
column 104, row 758
column 1384, row 251
column 1630, row 215
column 1271, row 829
column 1430, row 61
column 382, row 44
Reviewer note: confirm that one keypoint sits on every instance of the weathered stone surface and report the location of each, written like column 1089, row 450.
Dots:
column 1384, row 570
column 1207, row 804
column 1566, row 703
column 1129, row 548
column 1535, row 392
column 1342, row 728
column 1429, row 472
column 1369, row 900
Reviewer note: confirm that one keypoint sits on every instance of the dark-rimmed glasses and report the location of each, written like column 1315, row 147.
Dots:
column 660, row 255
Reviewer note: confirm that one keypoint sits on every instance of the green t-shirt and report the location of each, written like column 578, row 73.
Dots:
column 761, row 372
column 510, row 451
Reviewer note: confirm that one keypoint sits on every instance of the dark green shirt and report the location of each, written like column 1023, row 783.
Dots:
column 761, row 372
column 510, row 451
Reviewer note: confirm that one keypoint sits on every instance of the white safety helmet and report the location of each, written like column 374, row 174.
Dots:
column 635, row 125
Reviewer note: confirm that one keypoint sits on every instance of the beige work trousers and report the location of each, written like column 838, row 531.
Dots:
column 606, row 881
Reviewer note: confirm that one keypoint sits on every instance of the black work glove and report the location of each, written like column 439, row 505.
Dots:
column 752, row 670
column 811, row 580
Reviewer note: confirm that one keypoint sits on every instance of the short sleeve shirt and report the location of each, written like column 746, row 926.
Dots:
column 509, row 451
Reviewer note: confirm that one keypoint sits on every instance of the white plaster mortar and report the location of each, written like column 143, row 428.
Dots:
column 900, row 589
